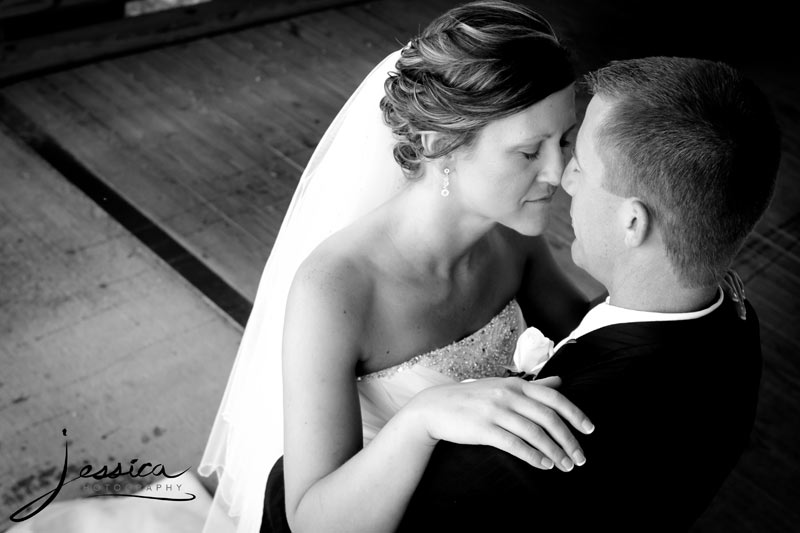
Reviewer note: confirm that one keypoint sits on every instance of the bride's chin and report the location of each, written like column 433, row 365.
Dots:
column 530, row 226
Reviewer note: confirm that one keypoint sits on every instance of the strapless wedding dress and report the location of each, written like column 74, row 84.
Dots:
column 483, row 354
column 486, row 353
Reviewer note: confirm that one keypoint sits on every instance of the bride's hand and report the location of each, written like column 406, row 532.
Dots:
column 523, row 418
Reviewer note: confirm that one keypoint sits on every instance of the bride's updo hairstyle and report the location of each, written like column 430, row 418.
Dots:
column 476, row 63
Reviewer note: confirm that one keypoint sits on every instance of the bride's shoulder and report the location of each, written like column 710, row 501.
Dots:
column 336, row 273
column 328, row 306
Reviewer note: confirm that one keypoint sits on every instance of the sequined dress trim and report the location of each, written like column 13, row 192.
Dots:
column 485, row 353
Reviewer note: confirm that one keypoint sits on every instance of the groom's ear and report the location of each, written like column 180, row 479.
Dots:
column 637, row 222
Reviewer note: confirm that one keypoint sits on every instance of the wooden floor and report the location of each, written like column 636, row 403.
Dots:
column 142, row 194
column 99, row 337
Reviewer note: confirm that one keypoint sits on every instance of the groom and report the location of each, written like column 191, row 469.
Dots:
column 674, row 164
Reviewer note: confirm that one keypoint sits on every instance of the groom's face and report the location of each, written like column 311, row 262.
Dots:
column 594, row 210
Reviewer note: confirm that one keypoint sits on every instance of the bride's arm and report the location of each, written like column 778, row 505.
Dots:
column 331, row 483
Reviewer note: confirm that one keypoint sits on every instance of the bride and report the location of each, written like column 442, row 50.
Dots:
column 410, row 260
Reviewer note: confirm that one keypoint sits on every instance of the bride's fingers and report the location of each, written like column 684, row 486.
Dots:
column 560, row 404
column 553, row 382
column 565, row 449
column 550, row 409
column 541, row 439
column 498, row 437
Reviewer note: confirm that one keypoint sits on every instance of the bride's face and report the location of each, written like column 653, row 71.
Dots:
column 511, row 171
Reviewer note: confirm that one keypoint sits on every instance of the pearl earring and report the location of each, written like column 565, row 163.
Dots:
column 446, row 182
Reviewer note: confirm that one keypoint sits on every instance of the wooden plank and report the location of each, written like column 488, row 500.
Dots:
column 27, row 56
column 16, row 8
column 140, row 7
column 153, row 182
column 99, row 337
column 38, row 26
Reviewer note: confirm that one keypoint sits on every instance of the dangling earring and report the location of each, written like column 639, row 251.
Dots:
column 446, row 182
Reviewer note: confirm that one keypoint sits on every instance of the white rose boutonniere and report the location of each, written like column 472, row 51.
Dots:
column 532, row 352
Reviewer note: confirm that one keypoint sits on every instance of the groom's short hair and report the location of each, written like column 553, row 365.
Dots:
column 698, row 143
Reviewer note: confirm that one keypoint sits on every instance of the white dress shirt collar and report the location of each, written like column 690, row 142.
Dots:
column 605, row 314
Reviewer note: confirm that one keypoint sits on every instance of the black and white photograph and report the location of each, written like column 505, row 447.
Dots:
column 273, row 266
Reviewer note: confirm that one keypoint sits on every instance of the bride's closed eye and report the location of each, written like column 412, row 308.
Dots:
column 565, row 143
column 533, row 155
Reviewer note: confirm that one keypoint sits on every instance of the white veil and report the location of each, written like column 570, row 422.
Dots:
column 351, row 172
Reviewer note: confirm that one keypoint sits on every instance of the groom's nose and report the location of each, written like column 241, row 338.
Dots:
column 568, row 181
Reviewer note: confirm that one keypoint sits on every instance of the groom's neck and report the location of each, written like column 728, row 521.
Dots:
column 660, row 292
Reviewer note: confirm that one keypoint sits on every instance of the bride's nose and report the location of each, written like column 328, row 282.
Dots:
column 552, row 167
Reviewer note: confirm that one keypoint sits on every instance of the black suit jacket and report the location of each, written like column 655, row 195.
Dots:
column 673, row 404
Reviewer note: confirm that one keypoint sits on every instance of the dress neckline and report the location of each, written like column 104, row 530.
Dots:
column 512, row 307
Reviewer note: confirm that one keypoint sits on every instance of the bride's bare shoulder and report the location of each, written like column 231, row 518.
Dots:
column 328, row 308
column 340, row 271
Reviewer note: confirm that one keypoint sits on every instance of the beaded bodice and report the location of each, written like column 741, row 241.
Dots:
column 482, row 354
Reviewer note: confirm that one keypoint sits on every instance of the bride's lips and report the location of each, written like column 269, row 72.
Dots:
column 542, row 199
column 546, row 197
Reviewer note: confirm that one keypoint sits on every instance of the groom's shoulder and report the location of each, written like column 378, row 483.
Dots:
column 728, row 324
column 719, row 344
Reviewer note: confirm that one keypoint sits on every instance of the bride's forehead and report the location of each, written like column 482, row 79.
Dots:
column 528, row 128
column 549, row 117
